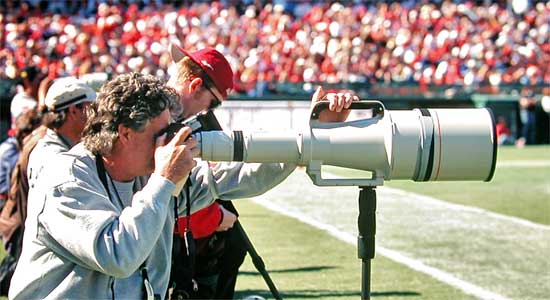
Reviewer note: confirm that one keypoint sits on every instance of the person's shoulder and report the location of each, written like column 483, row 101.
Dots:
column 78, row 156
column 22, row 96
column 46, row 151
column 8, row 147
column 53, row 138
column 75, row 165
column 8, row 143
column 49, row 145
column 30, row 142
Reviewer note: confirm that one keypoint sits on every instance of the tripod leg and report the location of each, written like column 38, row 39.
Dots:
column 258, row 262
column 365, row 240
column 256, row 259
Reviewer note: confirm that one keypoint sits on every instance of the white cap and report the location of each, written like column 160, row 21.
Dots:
column 65, row 92
column 21, row 102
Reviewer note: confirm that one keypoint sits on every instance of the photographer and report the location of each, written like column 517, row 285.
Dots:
column 101, row 232
column 95, row 234
column 64, row 118
column 203, row 80
column 528, row 117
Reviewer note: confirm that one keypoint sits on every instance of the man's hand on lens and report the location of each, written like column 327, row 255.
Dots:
column 338, row 105
column 175, row 160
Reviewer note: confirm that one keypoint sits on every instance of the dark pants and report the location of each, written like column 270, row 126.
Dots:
column 232, row 258
column 217, row 261
column 529, row 125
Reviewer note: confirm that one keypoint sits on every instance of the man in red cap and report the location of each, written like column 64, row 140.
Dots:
column 203, row 81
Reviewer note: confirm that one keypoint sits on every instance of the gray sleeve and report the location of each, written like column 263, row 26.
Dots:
column 80, row 223
column 228, row 181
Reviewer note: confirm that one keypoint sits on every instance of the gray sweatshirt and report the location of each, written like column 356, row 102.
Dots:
column 88, row 245
column 47, row 147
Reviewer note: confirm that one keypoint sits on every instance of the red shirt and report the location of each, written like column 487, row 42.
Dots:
column 502, row 129
column 203, row 222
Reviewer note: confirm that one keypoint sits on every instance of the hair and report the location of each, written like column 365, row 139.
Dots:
column 30, row 73
column 187, row 69
column 56, row 119
column 131, row 100
column 25, row 124
column 43, row 87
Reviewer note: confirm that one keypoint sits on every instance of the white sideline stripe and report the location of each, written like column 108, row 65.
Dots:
column 440, row 275
column 466, row 287
column 523, row 163
column 482, row 211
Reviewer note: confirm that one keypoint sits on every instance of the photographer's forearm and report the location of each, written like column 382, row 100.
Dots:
column 229, row 181
column 244, row 180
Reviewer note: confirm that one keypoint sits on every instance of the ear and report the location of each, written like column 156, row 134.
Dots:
column 72, row 111
column 194, row 85
column 124, row 134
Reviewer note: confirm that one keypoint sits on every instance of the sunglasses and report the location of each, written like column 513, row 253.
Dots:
column 215, row 101
column 211, row 87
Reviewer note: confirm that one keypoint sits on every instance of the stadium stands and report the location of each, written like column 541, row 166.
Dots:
column 447, row 43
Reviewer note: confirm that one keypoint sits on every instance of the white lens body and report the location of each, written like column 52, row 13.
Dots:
column 420, row 145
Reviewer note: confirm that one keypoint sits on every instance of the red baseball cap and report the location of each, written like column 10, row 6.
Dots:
column 213, row 63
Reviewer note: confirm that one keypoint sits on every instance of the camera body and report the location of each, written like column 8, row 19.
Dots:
column 203, row 121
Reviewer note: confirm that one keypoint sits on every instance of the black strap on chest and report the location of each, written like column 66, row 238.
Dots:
column 148, row 292
column 182, row 283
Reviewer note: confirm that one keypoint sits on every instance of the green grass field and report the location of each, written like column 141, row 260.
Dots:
column 305, row 263
column 519, row 190
column 496, row 254
column 501, row 256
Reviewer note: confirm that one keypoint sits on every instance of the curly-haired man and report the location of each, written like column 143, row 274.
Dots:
column 99, row 228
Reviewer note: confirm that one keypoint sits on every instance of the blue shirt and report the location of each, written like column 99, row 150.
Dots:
column 8, row 157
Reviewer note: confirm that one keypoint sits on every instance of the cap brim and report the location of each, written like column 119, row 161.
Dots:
column 177, row 52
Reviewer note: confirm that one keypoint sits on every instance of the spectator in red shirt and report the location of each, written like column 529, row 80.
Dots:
column 504, row 135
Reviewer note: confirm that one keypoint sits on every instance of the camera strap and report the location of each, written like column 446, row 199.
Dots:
column 186, row 188
column 148, row 292
column 188, row 232
column 189, row 240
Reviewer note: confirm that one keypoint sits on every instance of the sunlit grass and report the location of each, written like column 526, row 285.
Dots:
column 306, row 263
column 520, row 191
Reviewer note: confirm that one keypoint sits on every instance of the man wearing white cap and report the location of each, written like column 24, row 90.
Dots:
column 65, row 116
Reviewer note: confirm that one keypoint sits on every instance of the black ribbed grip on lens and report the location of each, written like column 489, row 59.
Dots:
column 426, row 113
column 238, row 145
column 495, row 147
column 430, row 160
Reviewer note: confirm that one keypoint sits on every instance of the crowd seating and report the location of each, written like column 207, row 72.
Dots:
column 448, row 43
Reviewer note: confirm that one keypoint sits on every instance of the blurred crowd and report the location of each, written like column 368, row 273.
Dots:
column 442, row 43
column 450, row 43
column 418, row 42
